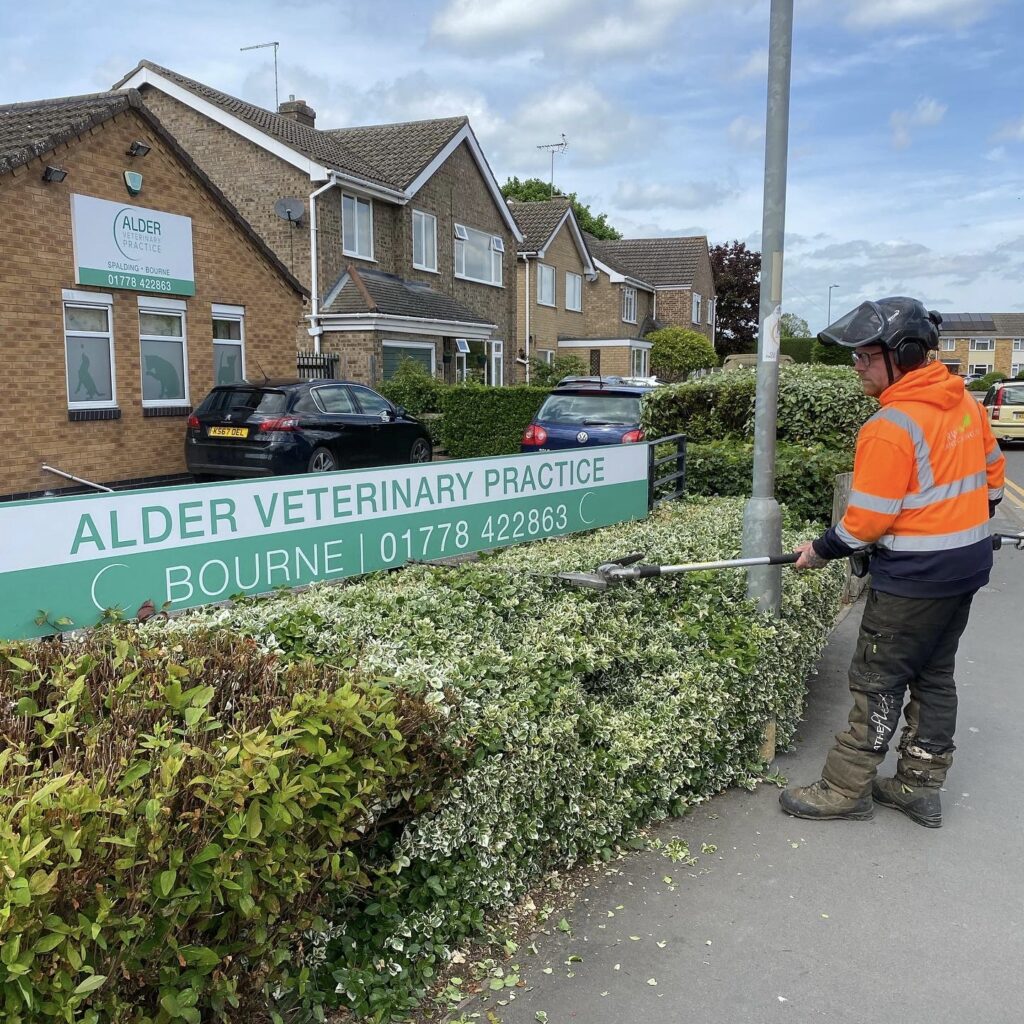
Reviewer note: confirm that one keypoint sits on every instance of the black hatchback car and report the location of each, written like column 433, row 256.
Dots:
column 279, row 427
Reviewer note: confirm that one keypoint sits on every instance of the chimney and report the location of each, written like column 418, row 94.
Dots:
column 298, row 110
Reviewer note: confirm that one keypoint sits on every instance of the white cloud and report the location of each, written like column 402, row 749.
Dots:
column 878, row 13
column 926, row 111
column 1013, row 131
column 483, row 21
column 755, row 66
column 690, row 195
column 746, row 132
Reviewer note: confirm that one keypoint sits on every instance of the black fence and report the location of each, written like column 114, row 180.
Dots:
column 662, row 486
column 316, row 365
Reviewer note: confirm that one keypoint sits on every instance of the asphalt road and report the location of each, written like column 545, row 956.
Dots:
column 796, row 921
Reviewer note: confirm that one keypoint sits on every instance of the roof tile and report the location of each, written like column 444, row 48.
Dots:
column 658, row 261
column 537, row 221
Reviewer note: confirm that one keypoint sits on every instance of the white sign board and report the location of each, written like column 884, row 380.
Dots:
column 123, row 246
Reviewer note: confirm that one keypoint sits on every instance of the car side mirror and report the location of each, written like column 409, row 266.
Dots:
column 399, row 412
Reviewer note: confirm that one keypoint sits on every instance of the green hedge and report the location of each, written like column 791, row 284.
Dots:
column 830, row 355
column 175, row 814
column 387, row 763
column 817, row 404
column 804, row 475
column 482, row 421
column 799, row 348
column 412, row 386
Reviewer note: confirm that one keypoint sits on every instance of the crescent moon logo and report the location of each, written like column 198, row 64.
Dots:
column 96, row 579
column 583, row 517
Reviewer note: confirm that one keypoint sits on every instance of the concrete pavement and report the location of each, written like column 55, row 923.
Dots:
column 795, row 921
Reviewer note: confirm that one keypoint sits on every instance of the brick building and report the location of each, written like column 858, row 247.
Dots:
column 981, row 343
column 404, row 238
column 130, row 287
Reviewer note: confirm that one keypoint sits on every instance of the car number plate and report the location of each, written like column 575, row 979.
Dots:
column 228, row 432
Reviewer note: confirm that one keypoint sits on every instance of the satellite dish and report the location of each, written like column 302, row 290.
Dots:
column 290, row 209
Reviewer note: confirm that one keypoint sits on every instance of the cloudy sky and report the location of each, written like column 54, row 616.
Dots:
column 906, row 131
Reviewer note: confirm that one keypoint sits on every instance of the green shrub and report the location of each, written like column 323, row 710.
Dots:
column 413, row 386
column 817, row 404
column 986, row 382
column 174, row 815
column 804, row 475
column 676, row 352
column 799, row 348
column 483, row 421
column 563, row 738
column 547, row 375
column 830, row 355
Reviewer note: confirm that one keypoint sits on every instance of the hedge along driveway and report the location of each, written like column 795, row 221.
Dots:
column 570, row 718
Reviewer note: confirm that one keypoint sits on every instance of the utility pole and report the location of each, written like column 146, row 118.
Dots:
column 555, row 147
column 762, row 517
column 828, row 322
column 260, row 46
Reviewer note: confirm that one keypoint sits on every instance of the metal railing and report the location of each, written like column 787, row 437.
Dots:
column 658, row 484
column 316, row 365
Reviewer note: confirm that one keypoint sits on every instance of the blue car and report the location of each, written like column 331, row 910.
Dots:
column 586, row 411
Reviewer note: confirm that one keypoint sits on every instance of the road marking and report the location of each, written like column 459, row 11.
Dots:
column 1016, row 488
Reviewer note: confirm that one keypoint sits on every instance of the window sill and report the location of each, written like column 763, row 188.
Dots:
column 426, row 270
column 633, row 322
column 569, row 309
column 476, row 280
column 151, row 411
column 546, row 305
column 358, row 256
column 89, row 415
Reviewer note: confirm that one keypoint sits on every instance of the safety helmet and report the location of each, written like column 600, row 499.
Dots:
column 901, row 324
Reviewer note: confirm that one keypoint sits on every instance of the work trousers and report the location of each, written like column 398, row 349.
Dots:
column 904, row 643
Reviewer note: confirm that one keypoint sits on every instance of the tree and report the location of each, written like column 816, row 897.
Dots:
column 831, row 355
column 737, row 272
column 677, row 352
column 547, row 375
column 793, row 326
column 534, row 190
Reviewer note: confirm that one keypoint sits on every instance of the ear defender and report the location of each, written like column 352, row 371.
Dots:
column 910, row 353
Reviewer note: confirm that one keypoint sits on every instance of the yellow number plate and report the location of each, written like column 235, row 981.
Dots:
column 228, row 432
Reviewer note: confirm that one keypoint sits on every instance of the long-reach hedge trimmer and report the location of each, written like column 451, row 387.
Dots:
column 625, row 569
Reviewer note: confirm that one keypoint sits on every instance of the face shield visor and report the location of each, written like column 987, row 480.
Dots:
column 864, row 325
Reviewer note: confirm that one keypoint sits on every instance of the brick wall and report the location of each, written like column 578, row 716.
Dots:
column 548, row 323
column 37, row 262
column 675, row 305
column 1002, row 359
column 602, row 309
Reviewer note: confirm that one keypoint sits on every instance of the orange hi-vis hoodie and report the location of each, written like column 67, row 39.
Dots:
column 926, row 475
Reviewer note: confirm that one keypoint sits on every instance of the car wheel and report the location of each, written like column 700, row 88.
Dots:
column 322, row 461
column 421, row 450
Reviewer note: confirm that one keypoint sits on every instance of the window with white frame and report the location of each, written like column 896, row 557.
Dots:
column 949, row 344
column 640, row 362
column 1018, row 344
column 629, row 305
column 574, row 292
column 163, row 352
column 395, row 352
column 547, row 355
column 89, row 355
column 711, row 312
column 983, row 344
column 357, row 226
column 695, row 311
column 462, row 351
column 497, row 363
column 545, row 285
column 478, row 255
column 228, row 344
column 424, row 240
column 979, row 368
column 1016, row 369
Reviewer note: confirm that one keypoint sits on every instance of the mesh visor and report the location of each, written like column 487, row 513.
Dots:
column 863, row 325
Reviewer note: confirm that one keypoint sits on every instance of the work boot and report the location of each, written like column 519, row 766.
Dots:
column 919, row 803
column 820, row 801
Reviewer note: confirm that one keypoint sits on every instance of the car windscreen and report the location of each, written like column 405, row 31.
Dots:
column 590, row 409
column 240, row 402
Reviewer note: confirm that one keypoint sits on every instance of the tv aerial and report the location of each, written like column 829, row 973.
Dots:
column 553, row 148
column 290, row 209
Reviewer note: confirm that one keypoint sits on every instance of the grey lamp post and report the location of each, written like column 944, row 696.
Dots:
column 830, row 287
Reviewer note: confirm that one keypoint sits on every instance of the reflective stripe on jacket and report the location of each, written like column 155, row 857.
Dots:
column 925, row 469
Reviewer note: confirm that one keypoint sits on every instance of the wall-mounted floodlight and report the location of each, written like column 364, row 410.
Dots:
column 138, row 148
column 52, row 173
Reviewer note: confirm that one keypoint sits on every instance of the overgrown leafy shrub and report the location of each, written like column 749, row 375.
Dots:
column 174, row 813
column 563, row 738
column 804, row 475
column 984, row 383
column 799, row 348
column 413, row 386
column 482, row 421
column 817, row 404
column 547, row 375
column 677, row 352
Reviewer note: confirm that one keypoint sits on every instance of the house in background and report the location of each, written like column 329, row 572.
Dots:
column 399, row 230
column 129, row 287
column 982, row 343
column 553, row 269
column 678, row 272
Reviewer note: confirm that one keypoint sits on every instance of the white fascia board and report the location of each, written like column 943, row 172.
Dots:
column 465, row 134
column 605, row 343
column 405, row 325
column 616, row 278
column 317, row 172
column 674, row 288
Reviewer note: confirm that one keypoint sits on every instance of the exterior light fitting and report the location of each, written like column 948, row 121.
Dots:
column 138, row 148
column 52, row 173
